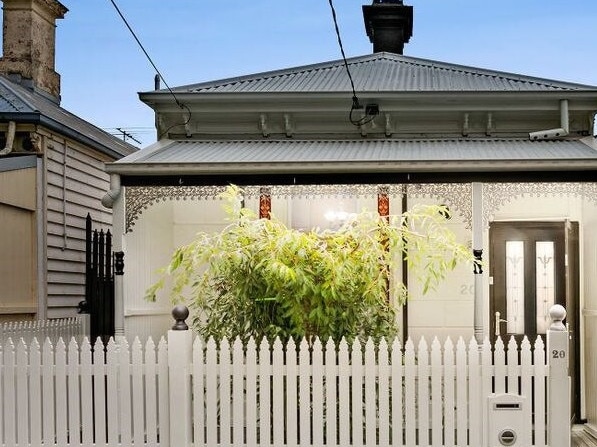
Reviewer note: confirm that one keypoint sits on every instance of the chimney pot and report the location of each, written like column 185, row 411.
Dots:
column 389, row 25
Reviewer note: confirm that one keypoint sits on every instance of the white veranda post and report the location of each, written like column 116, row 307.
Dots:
column 477, row 198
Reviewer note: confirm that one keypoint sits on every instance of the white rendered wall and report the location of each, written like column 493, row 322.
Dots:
column 449, row 309
column 156, row 234
column 147, row 248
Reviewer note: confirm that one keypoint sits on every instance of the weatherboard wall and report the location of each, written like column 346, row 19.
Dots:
column 75, row 184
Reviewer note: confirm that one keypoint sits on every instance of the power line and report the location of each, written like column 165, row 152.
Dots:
column 144, row 51
column 356, row 105
column 181, row 105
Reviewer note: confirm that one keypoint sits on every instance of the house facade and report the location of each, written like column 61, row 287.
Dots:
column 513, row 157
column 51, row 172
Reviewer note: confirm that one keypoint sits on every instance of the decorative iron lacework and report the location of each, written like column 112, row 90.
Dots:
column 496, row 195
column 457, row 196
column 139, row 198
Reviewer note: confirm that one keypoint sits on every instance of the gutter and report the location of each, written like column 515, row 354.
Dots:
column 559, row 132
column 37, row 118
column 177, row 170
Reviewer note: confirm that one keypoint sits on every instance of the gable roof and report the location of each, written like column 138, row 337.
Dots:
column 20, row 104
column 381, row 72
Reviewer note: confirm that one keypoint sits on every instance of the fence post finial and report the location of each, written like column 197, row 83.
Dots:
column 180, row 314
column 557, row 313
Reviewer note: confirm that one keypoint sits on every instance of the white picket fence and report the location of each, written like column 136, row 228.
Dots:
column 185, row 392
column 54, row 329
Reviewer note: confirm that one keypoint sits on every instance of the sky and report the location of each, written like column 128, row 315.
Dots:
column 103, row 69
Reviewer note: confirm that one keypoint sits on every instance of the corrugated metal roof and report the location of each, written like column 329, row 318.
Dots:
column 382, row 72
column 15, row 100
column 317, row 151
column 10, row 102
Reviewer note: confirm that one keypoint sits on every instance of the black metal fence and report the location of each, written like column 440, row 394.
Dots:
column 99, row 282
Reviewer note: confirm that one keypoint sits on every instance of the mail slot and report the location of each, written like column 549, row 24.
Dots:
column 507, row 421
column 508, row 406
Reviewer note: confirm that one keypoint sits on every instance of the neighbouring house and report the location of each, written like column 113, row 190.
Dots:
column 51, row 172
column 513, row 156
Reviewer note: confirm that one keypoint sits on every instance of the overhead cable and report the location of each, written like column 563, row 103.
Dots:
column 181, row 105
column 356, row 105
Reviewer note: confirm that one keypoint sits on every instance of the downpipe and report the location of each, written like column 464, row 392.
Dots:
column 10, row 138
column 559, row 132
column 112, row 195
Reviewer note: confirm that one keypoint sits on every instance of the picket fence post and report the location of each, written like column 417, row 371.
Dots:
column 180, row 345
column 558, row 388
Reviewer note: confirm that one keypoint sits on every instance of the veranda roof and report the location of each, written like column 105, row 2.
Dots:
column 221, row 161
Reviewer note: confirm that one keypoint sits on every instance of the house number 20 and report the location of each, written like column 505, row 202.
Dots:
column 558, row 354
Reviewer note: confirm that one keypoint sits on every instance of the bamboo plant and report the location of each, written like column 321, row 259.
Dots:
column 259, row 278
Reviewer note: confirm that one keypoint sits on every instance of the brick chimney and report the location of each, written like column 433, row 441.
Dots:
column 29, row 42
column 389, row 25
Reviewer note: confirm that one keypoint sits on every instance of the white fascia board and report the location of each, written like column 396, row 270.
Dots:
column 389, row 101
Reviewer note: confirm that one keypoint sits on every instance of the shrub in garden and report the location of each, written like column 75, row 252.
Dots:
column 259, row 278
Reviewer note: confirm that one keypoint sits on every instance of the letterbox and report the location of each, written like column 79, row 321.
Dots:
column 508, row 422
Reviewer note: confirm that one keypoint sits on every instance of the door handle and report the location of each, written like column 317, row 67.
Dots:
column 498, row 320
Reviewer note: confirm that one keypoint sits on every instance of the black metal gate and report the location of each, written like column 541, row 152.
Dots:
column 99, row 282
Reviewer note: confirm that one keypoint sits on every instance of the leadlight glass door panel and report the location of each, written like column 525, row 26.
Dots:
column 528, row 276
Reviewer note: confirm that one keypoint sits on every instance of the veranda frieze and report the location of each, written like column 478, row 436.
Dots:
column 457, row 196
column 497, row 195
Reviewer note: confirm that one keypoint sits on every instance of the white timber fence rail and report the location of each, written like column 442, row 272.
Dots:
column 186, row 392
column 65, row 328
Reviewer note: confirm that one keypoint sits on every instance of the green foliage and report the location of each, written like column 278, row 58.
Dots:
column 259, row 278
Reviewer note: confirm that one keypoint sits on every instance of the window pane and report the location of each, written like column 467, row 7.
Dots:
column 545, row 268
column 515, row 286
